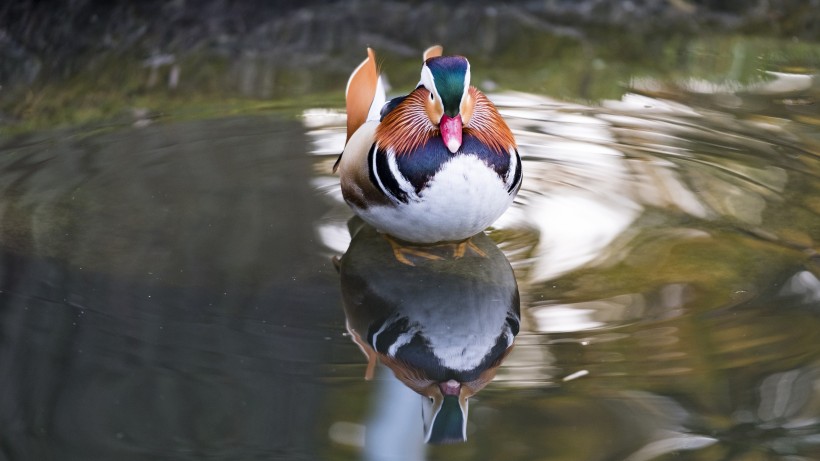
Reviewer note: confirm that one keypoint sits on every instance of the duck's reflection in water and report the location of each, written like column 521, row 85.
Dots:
column 442, row 318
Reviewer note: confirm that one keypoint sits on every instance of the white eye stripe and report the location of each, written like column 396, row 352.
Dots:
column 428, row 81
column 466, row 81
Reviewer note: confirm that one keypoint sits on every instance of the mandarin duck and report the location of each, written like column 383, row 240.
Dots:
column 439, row 164
column 445, row 341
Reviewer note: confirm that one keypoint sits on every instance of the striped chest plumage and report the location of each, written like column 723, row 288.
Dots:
column 405, row 177
column 458, row 198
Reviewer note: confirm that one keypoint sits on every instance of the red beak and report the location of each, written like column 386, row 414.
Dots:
column 451, row 131
column 451, row 387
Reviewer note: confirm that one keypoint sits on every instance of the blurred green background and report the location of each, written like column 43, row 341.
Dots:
column 87, row 61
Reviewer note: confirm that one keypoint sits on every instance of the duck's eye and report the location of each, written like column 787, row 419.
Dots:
column 431, row 399
column 432, row 96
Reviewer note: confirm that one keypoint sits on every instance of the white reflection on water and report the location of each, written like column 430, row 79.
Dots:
column 554, row 318
column 394, row 431
column 805, row 285
column 573, row 196
column 668, row 443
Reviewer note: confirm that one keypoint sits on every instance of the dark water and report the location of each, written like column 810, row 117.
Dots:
column 169, row 292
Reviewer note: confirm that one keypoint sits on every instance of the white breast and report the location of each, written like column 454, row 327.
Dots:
column 463, row 199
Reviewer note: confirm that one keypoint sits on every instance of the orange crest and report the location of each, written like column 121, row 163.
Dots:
column 408, row 126
column 487, row 125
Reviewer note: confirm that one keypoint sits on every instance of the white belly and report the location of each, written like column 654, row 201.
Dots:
column 463, row 199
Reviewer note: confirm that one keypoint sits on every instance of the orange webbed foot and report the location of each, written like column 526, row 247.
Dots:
column 403, row 252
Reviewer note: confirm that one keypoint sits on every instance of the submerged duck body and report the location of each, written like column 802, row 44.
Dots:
column 439, row 164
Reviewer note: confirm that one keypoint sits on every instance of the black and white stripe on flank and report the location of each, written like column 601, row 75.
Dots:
column 514, row 173
column 385, row 175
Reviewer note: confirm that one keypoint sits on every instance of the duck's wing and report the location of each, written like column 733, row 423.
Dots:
column 364, row 97
column 355, row 165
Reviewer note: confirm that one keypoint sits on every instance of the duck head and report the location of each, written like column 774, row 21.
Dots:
column 449, row 104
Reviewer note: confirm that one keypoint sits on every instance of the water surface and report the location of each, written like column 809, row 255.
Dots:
column 168, row 291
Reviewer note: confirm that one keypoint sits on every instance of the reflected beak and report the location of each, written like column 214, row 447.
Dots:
column 445, row 417
column 451, row 131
